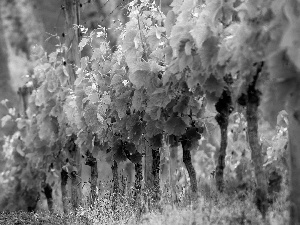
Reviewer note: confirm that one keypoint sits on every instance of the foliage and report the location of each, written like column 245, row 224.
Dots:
column 164, row 79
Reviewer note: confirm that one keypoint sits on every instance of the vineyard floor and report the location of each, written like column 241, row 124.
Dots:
column 211, row 208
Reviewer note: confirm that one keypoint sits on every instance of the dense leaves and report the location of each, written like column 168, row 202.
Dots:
column 169, row 77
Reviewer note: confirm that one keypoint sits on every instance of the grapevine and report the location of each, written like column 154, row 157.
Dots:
column 169, row 81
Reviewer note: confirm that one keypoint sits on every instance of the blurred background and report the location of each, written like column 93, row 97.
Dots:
column 25, row 24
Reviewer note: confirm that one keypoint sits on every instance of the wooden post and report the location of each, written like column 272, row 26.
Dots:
column 148, row 167
column 116, row 188
column 92, row 162
column 64, row 191
column 72, row 60
column 16, row 37
column 6, row 90
column 293, row 110
column 75, row 173
column 72, row 54
column 173, row 165
column 252, row 116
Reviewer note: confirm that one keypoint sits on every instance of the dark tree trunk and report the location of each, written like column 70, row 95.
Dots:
column 72, row 16
column 138, row 181
column 15, row 33
column 22, row 27
column 32, row 25
column 187, row 160
column 148, row 176
column 32, row 196
column 173, row 166
column 256, row 150
column 6, row 90
column 92, row 162
column 155, row 143
column 224, row 108
column 48, row 193
column 75, row 172
column 24, row 93
column 174, row 144
column 72, row 56
column 155, row 172
column 294, row 151
column 219, row 176
column 74, row 189
column 47, row 190
column 64, row 193
column 115, row 174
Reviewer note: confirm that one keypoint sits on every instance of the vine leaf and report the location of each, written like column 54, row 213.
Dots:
column 180, row 34
column 212, row 85
column 182, row 105
column 128, row 40
column 84, row 63
column 187, row 5
column 90, row 116
column 140, row 78
column 121, row 104
column 80, row 95
column 8, row 125
column 137, row 100
column 118, row 153
column 6, row 120
column 209, row 51
column 158, row 100
column 136, row 132
column 184, row 62
column 283, row 75
column 151, row 129
column 153, row 38
column 83, row 43
column 176, row 4
column 200, row 32
column 97, row 53
column 169, row 22
column 188, row 48
column 63, row 78
column 130, row 147
column 117, row 79
column 175, row 125
column 275, row 93
column 53, row 57
column 280, row 67
column 136, row 157
column 157, row 140
column 93, row 98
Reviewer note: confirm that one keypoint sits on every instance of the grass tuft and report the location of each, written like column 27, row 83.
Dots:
column 231, row 207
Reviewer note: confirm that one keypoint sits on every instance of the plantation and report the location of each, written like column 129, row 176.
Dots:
column 187, row 116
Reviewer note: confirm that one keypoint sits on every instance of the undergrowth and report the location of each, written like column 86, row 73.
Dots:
column 231, row 207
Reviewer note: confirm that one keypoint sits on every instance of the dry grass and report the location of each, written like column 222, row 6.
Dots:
column 211, row 208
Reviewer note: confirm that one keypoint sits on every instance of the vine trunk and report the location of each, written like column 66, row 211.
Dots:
column 48, row 193
column 256, row 149
column 155, row 172
column 222, row 152
column 293, row 109
column 173, row 166
column 187, row 160
column 114, row 169
column 92, row 162
column 64, row 192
